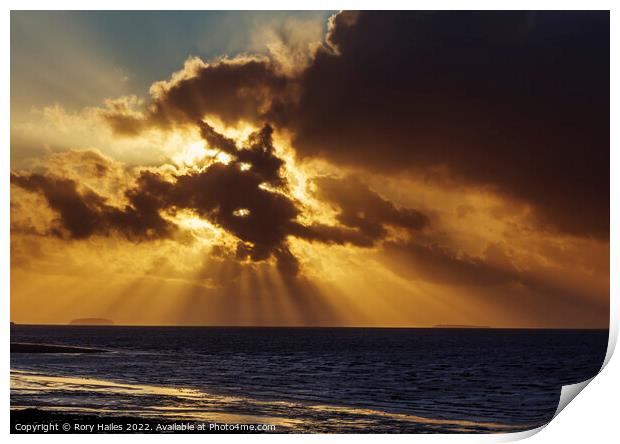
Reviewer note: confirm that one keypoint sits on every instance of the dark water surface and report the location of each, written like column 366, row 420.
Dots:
column 310, row 379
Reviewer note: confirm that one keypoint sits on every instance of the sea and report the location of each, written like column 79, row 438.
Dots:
column 309, row 380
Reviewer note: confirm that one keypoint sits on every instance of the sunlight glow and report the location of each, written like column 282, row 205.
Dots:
column 196, row 223
column 191, row 153
column 241, row 212
column 203, row 230
column 223, row 158
column 240, row 132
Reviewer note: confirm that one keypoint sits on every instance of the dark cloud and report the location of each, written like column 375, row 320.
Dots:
column 330, row 234
column 216, row 140
column 233, row 198
column 88, row 162
column 361, row 208
column 488, row 274
column 517, row 100
column 433, row 263
column 84, row 213
column 245, row 88
column 258, row 151
column 262, row 219
column 514, row 100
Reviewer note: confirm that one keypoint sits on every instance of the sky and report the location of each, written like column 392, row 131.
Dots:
column 384, row 169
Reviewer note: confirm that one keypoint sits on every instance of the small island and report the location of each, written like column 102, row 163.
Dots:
column 457, row 326
column 91, row 321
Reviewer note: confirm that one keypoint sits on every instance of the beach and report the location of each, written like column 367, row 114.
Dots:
column 300, row 380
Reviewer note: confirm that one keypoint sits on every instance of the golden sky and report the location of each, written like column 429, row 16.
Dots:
column 350, row 169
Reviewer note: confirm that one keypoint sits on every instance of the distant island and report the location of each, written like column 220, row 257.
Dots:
column 91, row 321
column 460, row 326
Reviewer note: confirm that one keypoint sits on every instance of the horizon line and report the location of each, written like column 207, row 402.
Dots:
column 419, row 327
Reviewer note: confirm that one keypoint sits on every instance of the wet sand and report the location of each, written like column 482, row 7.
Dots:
column 17, row 347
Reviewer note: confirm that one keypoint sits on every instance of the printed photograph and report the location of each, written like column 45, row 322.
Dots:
column 306, row 221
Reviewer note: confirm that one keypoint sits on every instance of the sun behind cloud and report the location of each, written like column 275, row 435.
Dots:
column 327, row 180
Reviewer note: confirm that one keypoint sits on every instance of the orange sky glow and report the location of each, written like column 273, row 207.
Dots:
column 223, row 197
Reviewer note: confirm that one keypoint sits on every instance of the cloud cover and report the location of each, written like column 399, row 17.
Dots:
column 518, row 101
column 515, row 101
column 247, row 197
